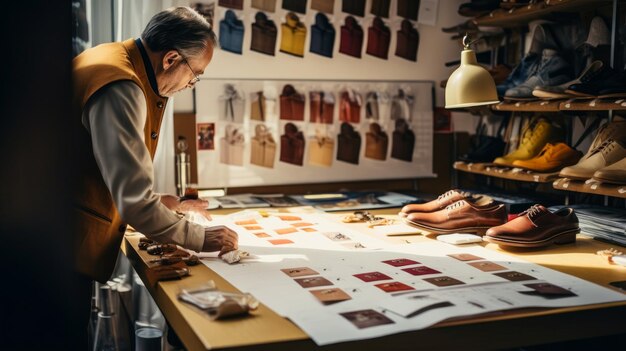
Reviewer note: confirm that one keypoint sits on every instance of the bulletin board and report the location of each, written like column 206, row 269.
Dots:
column 238, row 119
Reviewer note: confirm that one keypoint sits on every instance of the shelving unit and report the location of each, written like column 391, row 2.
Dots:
column 582, row 104
column 590, row 187
column 520, row 16
column 509, row 173
column 528, row 106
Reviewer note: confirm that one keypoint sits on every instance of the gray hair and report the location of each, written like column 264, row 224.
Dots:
column 181, row 29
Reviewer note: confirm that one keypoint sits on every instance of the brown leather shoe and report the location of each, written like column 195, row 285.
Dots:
column 461, row 217
column 445, row 199
column 537, row 227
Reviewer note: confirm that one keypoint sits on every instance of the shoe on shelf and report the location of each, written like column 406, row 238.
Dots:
column 487, row 149
column 466, row 27
column 535, row 137
column 509, row 4
column 461, row 217
column 552, row 158
column 552, row 70
column 477, row 8
column 609, row 152
column 443, row 200
column 526, row 68
column 615, row 173
column 536, row 227
column 606, row 83
column 558, row 91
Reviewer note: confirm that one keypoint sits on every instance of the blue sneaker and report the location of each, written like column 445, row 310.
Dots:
column 526, row 68
column 552, row 70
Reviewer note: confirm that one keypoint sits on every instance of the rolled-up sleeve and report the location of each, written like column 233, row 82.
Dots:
column 115, row 117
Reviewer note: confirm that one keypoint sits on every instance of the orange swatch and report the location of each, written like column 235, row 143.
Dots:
column 246, row 222
column 286, row 230
column 308, row 229
column 302, row 224
column 290, row 218
column 280, row 241
column 262, row 235
column 253, row 227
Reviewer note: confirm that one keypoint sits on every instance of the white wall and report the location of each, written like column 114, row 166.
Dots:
column 435, row 49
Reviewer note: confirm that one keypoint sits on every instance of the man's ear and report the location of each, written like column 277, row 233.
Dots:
column 170, row 58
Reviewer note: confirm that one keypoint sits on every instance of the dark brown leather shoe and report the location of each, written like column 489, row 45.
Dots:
column 462, row 216
column 445, row 199
column 537, row 227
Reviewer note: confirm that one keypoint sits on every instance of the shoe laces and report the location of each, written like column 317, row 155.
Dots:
column 606, row 147
column 455, row 205
column 533, row 212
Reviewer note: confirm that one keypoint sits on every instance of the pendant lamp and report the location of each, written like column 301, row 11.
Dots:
column 470, row 84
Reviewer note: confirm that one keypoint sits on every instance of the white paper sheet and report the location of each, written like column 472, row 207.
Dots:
column 372, row 311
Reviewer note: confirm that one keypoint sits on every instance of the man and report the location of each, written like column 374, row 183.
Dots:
column 120, row 93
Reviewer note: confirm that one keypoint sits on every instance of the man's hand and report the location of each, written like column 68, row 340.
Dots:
column 170, row 201
column 198, row 206
column 220, row 238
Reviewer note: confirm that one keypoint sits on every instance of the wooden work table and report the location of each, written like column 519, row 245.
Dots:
column 266, row 330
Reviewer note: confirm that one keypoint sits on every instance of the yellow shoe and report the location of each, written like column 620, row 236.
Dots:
column 552, row 158
column 534, row 138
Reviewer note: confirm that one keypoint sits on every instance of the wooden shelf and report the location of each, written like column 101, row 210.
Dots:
column 593, row 104
column 510, row 173
column 520, row 16
column 590, row 187
column 528, row 106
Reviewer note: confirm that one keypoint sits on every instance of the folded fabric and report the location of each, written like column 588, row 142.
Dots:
column 408, row 9
column 350, row 106
column 327, row 6
column 349, row 144
column 322, row 36
column 378, row 39
column 231, row 33
column 264, row 34
column 351, row 38
column 403, row 141
column 408, row 41
column 321, row 151
column 292, row 145
column 380, row 8
column 293, row 35
column 233, row 4
column 295, row 5
column 264, row 5
column 231, row 146
column 376, row 142
column 263, row 149
column 353, row 7
column 322, row 107
column 291, row 104
column 231, row 105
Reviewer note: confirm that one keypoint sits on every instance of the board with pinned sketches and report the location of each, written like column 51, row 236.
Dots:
column 338, row 284
column 270, row 132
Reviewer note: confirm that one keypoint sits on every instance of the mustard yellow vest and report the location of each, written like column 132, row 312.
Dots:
column 98, row 228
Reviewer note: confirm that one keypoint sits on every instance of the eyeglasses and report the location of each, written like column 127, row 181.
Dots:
column 195, row 78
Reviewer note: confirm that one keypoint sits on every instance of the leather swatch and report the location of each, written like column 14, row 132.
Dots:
column 403, row 141
column 293, row 35
column 378, row 39
column 322, row 107
column 349, row 144
column 231, row 146
column 408, row 41
column 291, row 104
column 264, row 34
column 351, row 38
column 295, row 5
column 322, row 36
column 380, row 8
column 231, row 33
column 353, row 7
column 264, row 5
column 408, row 9
column 376, row 142
column 292, row 145
column 231, row 105
column 263, row 147
column 350, row 106
column 327, row 6
column 233, row 4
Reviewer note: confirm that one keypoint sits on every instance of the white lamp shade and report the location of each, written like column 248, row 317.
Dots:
column 470, row 84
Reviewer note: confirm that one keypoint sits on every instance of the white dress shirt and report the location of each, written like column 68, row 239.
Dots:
column 115, row 117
